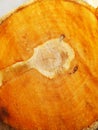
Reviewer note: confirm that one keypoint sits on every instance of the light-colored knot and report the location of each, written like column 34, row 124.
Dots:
column 50, row 59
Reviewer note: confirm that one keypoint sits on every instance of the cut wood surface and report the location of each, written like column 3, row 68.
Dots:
column 33, row 101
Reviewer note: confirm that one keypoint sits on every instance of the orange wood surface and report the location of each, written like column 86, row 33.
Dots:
column 70, row 100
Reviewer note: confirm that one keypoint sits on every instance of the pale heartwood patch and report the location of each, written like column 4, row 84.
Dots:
column 50, row 59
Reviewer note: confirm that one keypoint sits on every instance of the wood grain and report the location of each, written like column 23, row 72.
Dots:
column 32, row 101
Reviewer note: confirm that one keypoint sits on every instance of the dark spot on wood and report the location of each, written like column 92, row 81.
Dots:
column 62, row 37
column 20, row 8
column 3, row 113
column 4, row 126
column 74, row 69
column 89, row 106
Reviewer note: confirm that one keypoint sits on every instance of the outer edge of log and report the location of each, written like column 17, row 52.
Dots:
column 82, row 2
column 94, row 125
column 15, row 10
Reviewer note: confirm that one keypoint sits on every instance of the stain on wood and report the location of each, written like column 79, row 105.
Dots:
column 4, row 126
column 75, row 69
column 3, row 113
